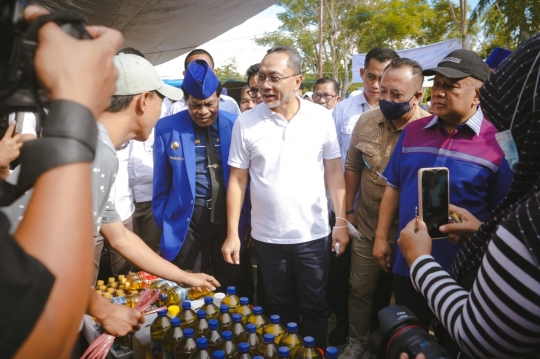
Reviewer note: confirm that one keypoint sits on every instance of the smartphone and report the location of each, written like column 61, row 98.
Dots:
column 433, row 199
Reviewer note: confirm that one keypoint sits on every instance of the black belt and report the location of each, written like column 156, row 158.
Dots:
column 203, row 202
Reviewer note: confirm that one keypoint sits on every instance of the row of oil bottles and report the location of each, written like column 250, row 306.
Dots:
column 125, row 290
column 228, row 337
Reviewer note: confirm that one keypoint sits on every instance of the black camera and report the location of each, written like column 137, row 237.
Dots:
column 401, row 332
column 19, row 86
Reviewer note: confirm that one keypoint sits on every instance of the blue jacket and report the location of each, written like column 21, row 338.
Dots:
column 174, row 176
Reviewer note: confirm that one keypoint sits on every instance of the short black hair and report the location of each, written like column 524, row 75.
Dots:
column 186, row 94
column 131, row 51
column 121, row 102
column 415, row 67
column 295, row 60
column 381, row 54
column 325, row 80
column 198, row 52
column 251, row 71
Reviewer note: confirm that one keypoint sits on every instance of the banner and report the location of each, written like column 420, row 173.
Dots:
column 427, row 56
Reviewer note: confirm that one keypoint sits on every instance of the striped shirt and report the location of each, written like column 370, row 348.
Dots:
column 500, row 317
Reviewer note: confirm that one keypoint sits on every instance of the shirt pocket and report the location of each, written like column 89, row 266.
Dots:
column 347, row 128
column 371, row 155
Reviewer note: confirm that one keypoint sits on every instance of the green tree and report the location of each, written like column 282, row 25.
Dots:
column 507, row 22
column 229, row 71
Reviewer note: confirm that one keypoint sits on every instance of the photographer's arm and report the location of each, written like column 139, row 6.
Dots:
column 57, row 226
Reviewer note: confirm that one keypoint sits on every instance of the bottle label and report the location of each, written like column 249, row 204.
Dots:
column 182, row 293
column 119, row 300
column 148, row 277
column 156, row 347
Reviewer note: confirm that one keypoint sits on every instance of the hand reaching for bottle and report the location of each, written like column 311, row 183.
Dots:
column 200, row 280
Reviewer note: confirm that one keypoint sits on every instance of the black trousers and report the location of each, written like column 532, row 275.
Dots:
column 295, row 278
column 407, row 296
column 337, row 293
column 201, row 250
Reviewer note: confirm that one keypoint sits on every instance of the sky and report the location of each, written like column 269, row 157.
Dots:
column 239, row 43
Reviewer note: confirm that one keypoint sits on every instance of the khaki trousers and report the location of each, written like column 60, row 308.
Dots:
column 365, row 274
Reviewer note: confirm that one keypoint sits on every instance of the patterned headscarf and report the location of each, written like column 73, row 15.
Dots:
column 511, row 92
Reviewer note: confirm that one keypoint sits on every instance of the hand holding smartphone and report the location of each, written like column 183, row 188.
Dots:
column 433, row 199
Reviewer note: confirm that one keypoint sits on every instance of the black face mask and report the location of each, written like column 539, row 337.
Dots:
column 394, row 110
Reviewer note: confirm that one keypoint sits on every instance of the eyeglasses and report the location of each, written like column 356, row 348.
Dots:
column 272, row 79
column 327, row 97
column 252, row 92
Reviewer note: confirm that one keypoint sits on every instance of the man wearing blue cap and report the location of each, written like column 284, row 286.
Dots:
column 190, row 178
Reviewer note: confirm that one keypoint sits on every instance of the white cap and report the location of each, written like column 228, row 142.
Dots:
column 136, row 75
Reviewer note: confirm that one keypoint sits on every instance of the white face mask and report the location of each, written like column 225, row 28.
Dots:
column 505, row 138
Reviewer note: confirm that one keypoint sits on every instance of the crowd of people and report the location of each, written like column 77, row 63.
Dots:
column 191, row 186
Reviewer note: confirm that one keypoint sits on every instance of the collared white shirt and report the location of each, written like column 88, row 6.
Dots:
column 346, row 114
column 226, row 103
column 285, row 161
column 141, row 163
column 120, row 193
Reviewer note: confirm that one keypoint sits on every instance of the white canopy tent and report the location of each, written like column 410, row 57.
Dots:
column 164, row 29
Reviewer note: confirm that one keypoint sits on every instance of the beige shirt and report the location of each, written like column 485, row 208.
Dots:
column 372, row 143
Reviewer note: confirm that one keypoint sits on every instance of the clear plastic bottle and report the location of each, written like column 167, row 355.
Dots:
column 231, row 299
column 269, row 349
column 176, row 295
column 284, row 353
column 202, row 351
column 228, row 346
column 253, row 338
column 199, row 292
column 224, row 318
column 243, row 349
column 332, row 353
column 157, row 330
column 275, row 328
column 200, row 325
column 172, row 337
column 244, row 309
column 213, row 336
column 308, row 350
column 237, row 328
column 187, row 315
column 212, row 310
column 186, row 346
column 259, row 319
column 139, row 280
column 291, row 339
column 99, row 283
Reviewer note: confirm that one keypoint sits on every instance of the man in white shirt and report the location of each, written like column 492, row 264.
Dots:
column 348, row 111
column 226, row 103
column 289, row 147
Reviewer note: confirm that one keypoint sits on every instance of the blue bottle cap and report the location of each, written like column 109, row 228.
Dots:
column 189, row 332
column 251, row 328
column 224, row 308
column 208, row 300
column 269, row 338
column 244, row 301
column 213, row 324
column 284, row 352
column 258, row 357
column 162, row 313
column 292, row 327
column 202, row 343
column 186, row 305
column 274, row 319
column 331, row 353
column 257, row 310
column 231, row 290
column 218, row 354
column 236, row 318
column 226, row 335
column 163, row 297
column 175, row 322
column 201, row 313
column 244, row 347
column 309, row 342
